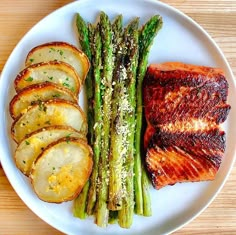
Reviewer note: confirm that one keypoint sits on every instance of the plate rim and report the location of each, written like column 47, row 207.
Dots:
column 165, row 5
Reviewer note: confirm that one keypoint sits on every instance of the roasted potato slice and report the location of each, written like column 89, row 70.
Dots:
column 53, row 71
column 61, row 171
column 60, row 51
column 53, row 112
column 36, row 94
column 29, row 148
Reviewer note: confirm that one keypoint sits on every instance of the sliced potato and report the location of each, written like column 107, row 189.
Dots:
column 53, row 112
column 29, row 148
column 62, row 170
column 60, row 51
column 55, row 72
column 36, row 94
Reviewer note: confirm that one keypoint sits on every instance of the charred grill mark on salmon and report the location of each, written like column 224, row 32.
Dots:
column 178, row 98
column 184, row 105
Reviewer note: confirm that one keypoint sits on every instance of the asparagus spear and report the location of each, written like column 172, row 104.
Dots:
column 83, row 32
column 89, row 84
column 117, row 148
column 102, row 212
column 125, row 215
column 117, row 31
column 147, row 209
column 95, row 40
column 115, row 156
column 113, row 215
column 79, row 207
column 146, row 37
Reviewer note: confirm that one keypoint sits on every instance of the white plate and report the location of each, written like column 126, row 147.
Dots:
column 180, row 39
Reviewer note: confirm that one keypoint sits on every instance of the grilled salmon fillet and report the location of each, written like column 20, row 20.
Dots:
column 184, row 107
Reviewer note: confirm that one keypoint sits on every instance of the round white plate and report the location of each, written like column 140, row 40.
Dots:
column 180, row 39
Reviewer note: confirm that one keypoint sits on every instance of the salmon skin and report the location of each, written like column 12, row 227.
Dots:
column 184, row 106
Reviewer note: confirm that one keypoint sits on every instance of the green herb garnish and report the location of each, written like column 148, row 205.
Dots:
column 51, row 49
column 65, row 84
column 29, row 79
column 68, row 138
column 56, row 95
column 48, row 122
column 61, row 52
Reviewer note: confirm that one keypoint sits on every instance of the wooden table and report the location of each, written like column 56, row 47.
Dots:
column 217, row 17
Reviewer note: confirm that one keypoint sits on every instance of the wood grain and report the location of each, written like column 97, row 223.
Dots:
column 217, row 17
column 15, row 217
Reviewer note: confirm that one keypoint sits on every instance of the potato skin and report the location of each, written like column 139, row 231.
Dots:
column 83, row 177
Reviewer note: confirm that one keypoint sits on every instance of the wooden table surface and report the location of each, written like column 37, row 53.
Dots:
column 217, row 17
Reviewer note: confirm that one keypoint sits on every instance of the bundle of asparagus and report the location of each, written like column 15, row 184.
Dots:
column 119, row 185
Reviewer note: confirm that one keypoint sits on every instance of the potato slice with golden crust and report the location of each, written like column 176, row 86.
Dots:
column 61, row 171
column 53, row 71
column 60, row 51
column 53, row 112
column 36, row 94
column 29, row 148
